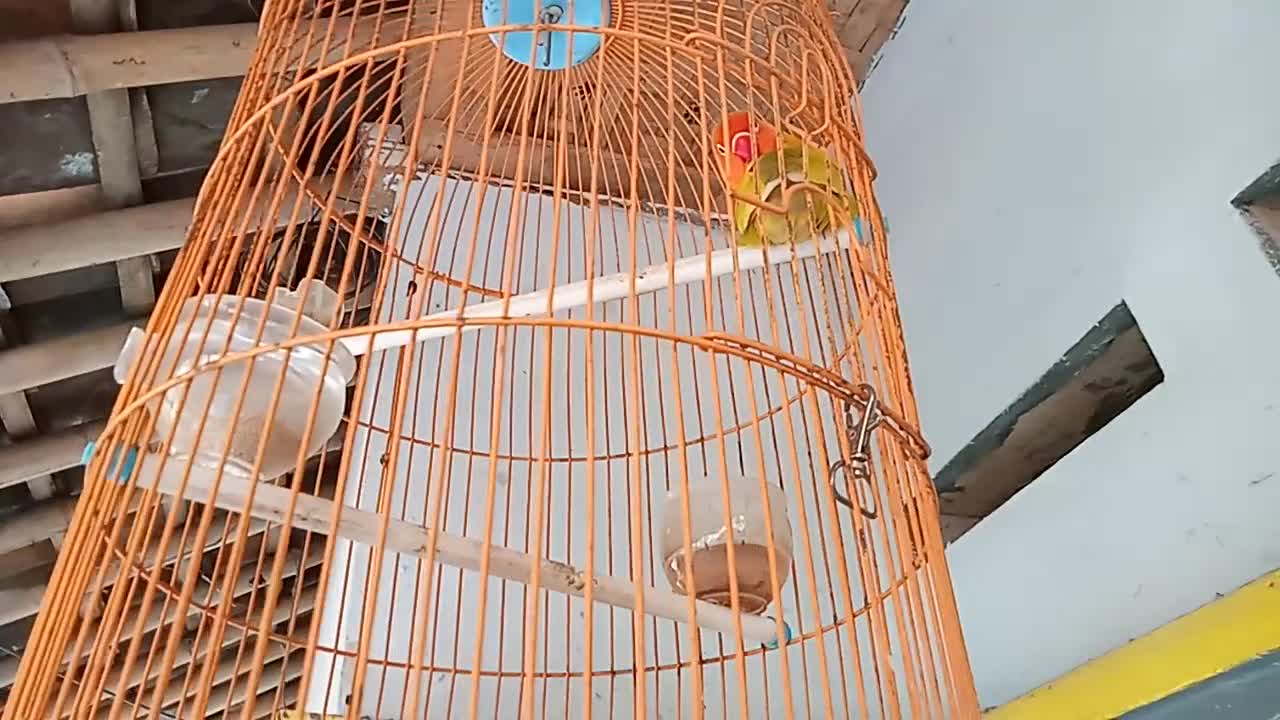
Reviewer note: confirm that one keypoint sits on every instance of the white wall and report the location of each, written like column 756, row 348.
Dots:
column 1040, row 161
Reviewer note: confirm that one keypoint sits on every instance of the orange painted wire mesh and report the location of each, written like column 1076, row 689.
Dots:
column 389, row 152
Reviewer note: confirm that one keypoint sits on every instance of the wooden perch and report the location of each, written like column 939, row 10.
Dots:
column 313, row 514
column 603, row 289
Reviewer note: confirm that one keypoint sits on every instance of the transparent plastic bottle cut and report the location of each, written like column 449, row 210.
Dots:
column 233, row 440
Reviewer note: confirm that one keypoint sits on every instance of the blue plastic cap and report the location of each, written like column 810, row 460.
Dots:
column 550, row 50
column 786, row 637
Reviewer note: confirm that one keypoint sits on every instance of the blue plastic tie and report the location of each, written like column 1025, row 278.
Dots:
column 773, row 644
column 126, row 468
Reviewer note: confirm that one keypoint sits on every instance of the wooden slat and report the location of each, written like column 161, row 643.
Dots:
column 158, row 617
column 32, row 250
column 27, row 366
column 273, row 676
column 19, row 423
column 222, row 677
column 144, row 131
column 863, row 26
column 20, row 601
column 230, row 645
column 71, row 65
column 50, row 206
column 95, row 238
column 114, row 142
column 42, row 522
column 289, row 698
column 21, row 561
column 113, row 139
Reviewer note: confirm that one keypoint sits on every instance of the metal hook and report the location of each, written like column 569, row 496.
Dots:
column 551, row 15
column 858, row 468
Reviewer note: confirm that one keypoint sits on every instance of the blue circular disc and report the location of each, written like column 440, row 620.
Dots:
column 549, row 50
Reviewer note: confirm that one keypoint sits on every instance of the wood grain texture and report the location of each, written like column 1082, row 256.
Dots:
column 71, row 65
column 1105, row 372
column 863, row 27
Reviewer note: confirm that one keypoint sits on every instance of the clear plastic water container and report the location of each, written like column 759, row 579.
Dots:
column 211, row 396
column 710, row 556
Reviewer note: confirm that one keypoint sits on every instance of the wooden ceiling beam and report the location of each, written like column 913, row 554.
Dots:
column 159, row 616
column 46, row 454
column 71, row 65
column 35, row 250
column 863, row 27
column 48, row 206
column 41, row 522
column 145, row 677
column 19, row 423
column 114, row 142
column 28, row 366
column 63, row 66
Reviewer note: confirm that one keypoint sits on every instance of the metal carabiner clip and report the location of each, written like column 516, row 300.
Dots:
column 858, row 468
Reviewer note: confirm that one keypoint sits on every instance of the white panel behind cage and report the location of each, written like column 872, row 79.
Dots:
column 542, row 414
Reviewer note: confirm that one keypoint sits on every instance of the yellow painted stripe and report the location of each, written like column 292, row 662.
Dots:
column 1216, row 637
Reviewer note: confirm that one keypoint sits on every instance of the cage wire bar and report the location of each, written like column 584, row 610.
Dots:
column 573, row 387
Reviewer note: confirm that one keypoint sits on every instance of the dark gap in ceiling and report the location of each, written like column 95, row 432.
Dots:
column 15, row 634
column 42, row 288
column 163, row 14
column 14, row 496
column 42, row 553
column 48, row 145
column 173, row 185
column 21, row 19
column 56, row 318
column 190, row 119
column 73, row 401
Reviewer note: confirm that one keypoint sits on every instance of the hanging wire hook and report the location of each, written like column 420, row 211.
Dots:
column 858, row 468
column 551, row 15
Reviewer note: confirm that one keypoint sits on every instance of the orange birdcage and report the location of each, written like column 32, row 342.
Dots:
column 525, row 358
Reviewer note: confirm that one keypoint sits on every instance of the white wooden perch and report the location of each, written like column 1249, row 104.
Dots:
column 312, row 513
column 605, row 288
